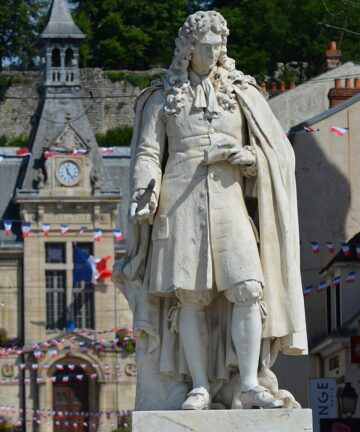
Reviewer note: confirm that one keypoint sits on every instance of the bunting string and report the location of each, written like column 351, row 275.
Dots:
column 26, row 228
column 337, row 130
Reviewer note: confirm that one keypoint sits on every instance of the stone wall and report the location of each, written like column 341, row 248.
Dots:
column 21, row 99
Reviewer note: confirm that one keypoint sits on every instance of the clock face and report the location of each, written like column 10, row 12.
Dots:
column 68, row 173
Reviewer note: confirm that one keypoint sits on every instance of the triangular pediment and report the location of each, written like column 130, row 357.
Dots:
column 68, row 140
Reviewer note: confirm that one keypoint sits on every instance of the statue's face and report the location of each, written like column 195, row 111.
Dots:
column 205, row 57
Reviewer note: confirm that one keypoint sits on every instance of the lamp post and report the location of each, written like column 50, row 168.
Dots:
column 347, row 399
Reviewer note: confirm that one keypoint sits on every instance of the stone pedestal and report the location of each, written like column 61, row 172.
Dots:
column 257, row 420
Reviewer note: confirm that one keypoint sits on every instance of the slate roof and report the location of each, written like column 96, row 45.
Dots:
column 61, row 24
column 9, row 172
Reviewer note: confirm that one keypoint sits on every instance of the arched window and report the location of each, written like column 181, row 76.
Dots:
column 55, row 58
column 69, row 56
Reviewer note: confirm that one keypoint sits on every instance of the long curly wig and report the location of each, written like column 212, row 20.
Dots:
column 195, row 27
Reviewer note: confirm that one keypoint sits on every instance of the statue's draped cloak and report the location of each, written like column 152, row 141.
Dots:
column 284, row 328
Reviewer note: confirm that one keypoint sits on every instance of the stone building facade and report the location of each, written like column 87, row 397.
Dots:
column 67, row 371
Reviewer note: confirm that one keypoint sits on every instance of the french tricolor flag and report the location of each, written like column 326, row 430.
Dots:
column 84, row 267
column 46, row 229
column 336, row 280
column 315, row 247
column 330, row 246
column 82, row 230
column 351, row 277
column 105, row 150
column 358, row 250
column 23, row 151
column 79, row 151
column 310, row 129
column 339, row 130
column 25, row 229
column 307, row 290
column 50, row 153
column 322, row 286
column 7, row 225
column 64, row 229
column 97, row 234
column 346, row 249
column 118, row 235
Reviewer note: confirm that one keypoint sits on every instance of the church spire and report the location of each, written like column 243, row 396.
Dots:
column 61, row 24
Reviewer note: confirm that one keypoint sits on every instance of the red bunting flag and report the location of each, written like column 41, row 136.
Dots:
column 64, row 229
column 358, row 250
column 350, row 278
column 7, row 225
column 97, row 234
column 118, row 235
column 79, row 151
column 23, row 151
column 104, row 150
column 315, row 247
column 346, row 249
column 339, row 130
column 310, row 129
column 330, row 246
column 46, row 229
column 25, row 228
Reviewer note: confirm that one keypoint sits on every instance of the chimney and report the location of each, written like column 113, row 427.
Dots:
column 331, row 57
column 343, row 91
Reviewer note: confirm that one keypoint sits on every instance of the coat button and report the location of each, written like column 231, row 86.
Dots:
column 203, row 224
column 211, row 130
column 202, row 193
column 201, row 209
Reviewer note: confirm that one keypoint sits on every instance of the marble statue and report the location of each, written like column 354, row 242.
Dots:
column 215, row 293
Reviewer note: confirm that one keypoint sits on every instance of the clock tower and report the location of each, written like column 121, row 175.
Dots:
column 65, row 188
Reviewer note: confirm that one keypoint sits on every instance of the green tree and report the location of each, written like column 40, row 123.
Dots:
column 19, row 25
column 128, row 34
column 265, row 32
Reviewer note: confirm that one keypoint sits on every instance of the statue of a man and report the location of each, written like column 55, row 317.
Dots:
column 212, row 298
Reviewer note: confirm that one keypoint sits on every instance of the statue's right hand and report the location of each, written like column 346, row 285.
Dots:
column 147, row 211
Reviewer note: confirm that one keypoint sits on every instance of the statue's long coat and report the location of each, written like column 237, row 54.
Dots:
column 279, row 252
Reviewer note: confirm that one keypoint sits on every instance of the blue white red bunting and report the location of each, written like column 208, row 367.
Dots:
column 104, row 150
column 79, row 151
column 315, row 247
column 23, row 152
column 345, row 247
column 64, row 230
column 25, row 229
column 339, row 130
column 97, row 234
column 350, row 278
column 118, row 235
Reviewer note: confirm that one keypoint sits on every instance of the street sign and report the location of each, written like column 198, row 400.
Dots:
column 355, row 349
column 323, row 401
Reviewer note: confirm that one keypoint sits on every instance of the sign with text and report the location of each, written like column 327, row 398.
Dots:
column 355, row 349
column 323, row 401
